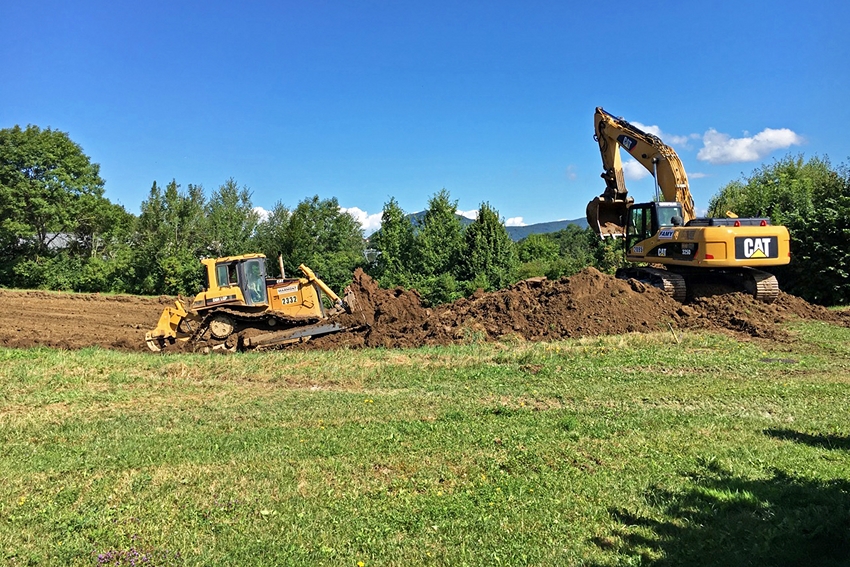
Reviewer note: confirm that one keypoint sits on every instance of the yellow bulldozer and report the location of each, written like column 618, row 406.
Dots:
column 242, row 309
column 667, row 232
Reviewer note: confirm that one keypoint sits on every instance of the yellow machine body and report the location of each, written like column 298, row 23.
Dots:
column 667, row 231
column 238, row 294
column 652, row 237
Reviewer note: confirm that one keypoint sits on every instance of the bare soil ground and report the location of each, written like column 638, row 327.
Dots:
column 588, row 304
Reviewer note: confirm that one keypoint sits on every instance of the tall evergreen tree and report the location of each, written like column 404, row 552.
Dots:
column 489, row 258
column 394, row 241
column 231, row 220
column 271, row 234
column 170, row 239
column 439, row 237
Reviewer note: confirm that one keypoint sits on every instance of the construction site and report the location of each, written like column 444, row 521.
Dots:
column 587, row 304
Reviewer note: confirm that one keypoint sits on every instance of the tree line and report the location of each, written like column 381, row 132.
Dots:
column 59, row 231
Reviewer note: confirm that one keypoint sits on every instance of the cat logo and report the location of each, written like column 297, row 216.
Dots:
column 626, row 141
column 755, row 248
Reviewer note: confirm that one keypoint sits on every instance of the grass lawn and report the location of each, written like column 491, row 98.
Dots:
column 630, row 450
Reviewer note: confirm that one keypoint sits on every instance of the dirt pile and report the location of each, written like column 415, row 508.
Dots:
column 740, row 313
column 587, row 304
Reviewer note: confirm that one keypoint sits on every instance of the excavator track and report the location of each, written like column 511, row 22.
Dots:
column 672, row 283
column 762, row 285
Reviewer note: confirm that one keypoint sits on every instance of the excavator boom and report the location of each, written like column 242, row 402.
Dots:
column 606, row 214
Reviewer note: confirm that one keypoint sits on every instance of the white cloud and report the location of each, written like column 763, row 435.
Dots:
column 570, row 172
column 719, row 148
column 514, row 221
column 697, row 175
column 633, row 170
column 369, row 223
column 669, row 139
column 262, row 213
column 473, row 214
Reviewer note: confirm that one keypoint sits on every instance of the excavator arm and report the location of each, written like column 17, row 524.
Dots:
column 607, row 213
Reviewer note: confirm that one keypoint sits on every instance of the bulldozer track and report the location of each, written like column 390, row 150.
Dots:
column 244, row 320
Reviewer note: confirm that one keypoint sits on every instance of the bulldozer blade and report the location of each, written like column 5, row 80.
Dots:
column 607, row 218
column 291, row 335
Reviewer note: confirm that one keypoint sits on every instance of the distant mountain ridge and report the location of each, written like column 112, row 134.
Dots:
column 517, row 233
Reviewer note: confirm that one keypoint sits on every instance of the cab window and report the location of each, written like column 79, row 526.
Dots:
column 666, row 214
column 225, row 274
column 640, row 225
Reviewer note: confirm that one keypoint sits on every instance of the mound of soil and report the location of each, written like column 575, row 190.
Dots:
column 587, row 304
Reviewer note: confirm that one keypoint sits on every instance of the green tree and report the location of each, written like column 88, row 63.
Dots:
column 438, row 240
column 608, row 253
column 791, row 184
column 575, row 251
column 326, row 239
column 394, row 241
column 231, row 220
column 47, row 184
column 439, row 237
column 537, row 253
column 57, row 230
column 489, row 260
column 171, row 237
column 537, row 247
column 271, row 234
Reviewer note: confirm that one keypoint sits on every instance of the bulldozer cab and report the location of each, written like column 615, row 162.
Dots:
column 647, row 219
column 254, row 286
column 247, row 274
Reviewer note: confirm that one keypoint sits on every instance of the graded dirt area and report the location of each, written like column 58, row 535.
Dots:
column 587, row 304
column 77, row 320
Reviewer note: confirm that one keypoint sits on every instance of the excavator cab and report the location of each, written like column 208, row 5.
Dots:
column 647, row 219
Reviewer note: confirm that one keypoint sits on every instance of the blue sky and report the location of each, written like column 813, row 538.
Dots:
column 368, row 100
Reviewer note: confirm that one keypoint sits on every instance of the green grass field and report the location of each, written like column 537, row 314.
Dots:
column 631, row 450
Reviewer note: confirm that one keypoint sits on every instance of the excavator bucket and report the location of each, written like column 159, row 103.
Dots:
column 608, row 217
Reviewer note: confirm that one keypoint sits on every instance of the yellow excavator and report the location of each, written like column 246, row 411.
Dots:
column 241, row 309
column 667, row 232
